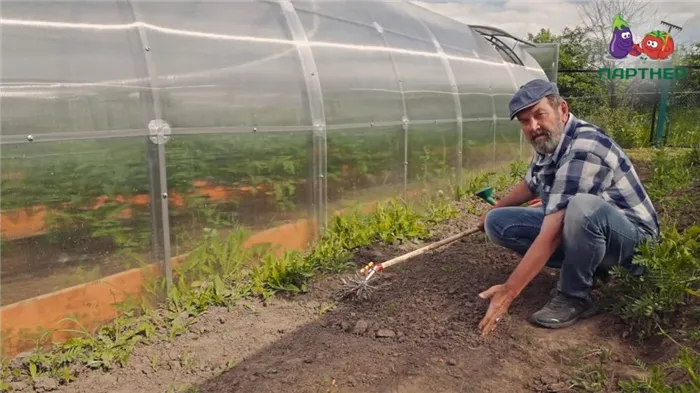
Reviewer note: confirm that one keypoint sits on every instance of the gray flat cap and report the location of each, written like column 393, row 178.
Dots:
column 530, row 94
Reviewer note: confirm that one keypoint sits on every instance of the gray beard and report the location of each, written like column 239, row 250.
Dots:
column 548, row 146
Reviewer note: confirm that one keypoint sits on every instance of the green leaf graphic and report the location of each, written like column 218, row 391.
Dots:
column 619, row 23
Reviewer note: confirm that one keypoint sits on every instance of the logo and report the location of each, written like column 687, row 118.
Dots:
column 655, row 45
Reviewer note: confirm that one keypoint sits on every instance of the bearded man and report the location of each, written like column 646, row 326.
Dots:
column 594, row 212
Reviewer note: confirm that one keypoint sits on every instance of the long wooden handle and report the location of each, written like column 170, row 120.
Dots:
column 429, row 247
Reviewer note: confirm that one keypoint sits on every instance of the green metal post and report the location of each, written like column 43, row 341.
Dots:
column 661, row 120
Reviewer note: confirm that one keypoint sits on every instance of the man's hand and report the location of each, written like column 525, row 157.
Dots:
column 532, row 263
column 501, row 297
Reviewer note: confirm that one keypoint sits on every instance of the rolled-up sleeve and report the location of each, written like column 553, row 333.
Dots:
column 580, row 172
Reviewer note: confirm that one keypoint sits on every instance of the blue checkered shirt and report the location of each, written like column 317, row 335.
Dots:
column 587, row 161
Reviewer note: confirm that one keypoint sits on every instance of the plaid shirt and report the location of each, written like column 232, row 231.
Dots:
column 587, row 161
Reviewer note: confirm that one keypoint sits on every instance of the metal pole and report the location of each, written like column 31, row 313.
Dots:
column 455, row 99
column 159, row 135
column 661, row 121
column 405, row 122
column 316, row 108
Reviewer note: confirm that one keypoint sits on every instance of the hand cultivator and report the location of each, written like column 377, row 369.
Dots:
column 359, row 285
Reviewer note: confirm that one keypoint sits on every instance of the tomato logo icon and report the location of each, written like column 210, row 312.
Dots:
column 657, row 45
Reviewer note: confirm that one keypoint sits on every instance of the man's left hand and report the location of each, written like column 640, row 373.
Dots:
column 501, row 297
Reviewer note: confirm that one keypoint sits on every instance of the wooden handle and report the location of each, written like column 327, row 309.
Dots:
column 429, row 247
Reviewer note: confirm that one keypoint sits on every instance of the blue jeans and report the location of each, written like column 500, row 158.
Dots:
column 596, row 235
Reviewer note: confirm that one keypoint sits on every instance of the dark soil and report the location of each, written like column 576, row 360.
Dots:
column 417, row 333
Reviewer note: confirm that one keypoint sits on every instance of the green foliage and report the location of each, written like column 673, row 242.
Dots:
column 672, row 277
column 671, row 284
column 684, row 369
column 673, row 263
column 591, row 371
column 689, row 57
column 671, row 177
column 629, row 128
column 575, row 51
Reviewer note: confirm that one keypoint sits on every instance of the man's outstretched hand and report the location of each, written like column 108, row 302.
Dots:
column 501, row 297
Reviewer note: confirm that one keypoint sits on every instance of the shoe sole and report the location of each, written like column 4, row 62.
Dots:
column 559, row 325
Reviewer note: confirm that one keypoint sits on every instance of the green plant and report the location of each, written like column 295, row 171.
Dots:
column 440, row 209
column 627, row 127
column 592, row 376
column 290, row 273
column 678, row 375
column 672, row 276
column 672, row 173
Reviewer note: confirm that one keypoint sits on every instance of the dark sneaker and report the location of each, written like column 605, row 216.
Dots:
column 563, row 311
column 600, row 278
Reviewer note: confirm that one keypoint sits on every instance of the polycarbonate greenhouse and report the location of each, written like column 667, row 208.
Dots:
column 129, row 128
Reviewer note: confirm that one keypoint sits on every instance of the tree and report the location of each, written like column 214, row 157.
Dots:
column 582, row 89
column 690, row 57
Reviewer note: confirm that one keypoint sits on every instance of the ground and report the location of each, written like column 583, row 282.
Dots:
column 416, row 333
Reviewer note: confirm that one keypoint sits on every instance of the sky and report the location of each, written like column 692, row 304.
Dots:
column 520, row 17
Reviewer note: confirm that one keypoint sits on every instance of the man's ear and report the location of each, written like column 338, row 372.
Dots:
column 564, row 110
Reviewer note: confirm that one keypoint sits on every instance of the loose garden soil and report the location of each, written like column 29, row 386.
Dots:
column 416, row 333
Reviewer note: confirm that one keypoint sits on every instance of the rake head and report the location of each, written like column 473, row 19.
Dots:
column 357, row 286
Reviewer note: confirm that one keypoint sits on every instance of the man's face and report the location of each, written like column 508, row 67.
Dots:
column 543, row 125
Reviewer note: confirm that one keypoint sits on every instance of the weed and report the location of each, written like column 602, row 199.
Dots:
column 678, row 375
column 593, row 376
column 324, row 308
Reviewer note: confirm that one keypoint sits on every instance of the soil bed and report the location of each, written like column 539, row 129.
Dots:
column 417, row 333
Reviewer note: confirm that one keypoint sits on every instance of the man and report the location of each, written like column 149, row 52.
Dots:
column 594, row 210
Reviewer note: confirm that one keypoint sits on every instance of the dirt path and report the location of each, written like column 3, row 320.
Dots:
column 418, row 333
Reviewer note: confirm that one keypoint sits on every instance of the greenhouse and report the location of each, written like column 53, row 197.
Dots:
column 128, row 128
column 188, row 189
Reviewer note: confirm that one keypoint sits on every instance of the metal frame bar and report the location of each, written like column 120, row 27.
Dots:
column 496, row 118
column 156, row 158
column 116, row 134
column 316, row 109
column 496, row 32
column 498, row 44
column 455, row 99
column 405, row 120
column 553, row 47
column 555, row 66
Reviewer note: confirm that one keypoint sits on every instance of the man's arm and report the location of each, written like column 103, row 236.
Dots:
column 538, row 254
column 519, row 195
